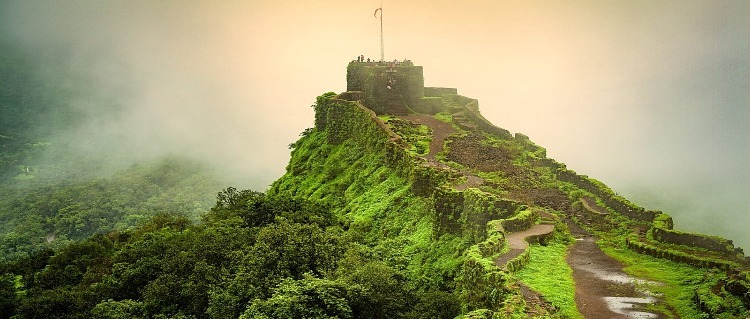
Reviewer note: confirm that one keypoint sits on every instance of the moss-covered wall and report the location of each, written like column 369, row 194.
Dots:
column 466, row 213
column 644, row 248
column 484, row 285
column 620, row 205
column 594, row 217
column 662, row 231
column 470, row 109
column 449, row 204
column 427, row 179
column 481, row 207
column 521, row 221
column 343, row 120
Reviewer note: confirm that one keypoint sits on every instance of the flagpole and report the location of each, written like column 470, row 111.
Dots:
column 382, row 50
column 382, row 47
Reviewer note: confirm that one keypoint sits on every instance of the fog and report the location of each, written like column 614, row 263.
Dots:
column 650, row 97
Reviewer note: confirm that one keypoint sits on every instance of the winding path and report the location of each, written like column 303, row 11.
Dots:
column 602, row 290
column 517, row 242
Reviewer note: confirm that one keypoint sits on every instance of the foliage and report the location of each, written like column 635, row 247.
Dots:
column 55, row 215
column 548, row 273
column 677, row 280
column 288, row 266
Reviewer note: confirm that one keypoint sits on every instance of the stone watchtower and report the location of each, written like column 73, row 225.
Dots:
column 386, row 87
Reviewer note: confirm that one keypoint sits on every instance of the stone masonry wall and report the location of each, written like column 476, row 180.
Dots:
column 343, row 119
column 620, row 205
column 470, row 107
column 438, row 91
column 372, row 80
column 467, row 212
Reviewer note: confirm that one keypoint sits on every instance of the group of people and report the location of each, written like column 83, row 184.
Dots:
column 361, row 58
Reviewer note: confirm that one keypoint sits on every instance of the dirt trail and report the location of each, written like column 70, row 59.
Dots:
column 602, row 289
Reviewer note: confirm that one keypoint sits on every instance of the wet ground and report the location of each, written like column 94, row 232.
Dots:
column 603, row 290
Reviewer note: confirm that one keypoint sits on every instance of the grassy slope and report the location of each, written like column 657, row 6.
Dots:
column 375, row 204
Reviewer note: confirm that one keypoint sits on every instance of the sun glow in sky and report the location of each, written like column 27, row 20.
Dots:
column 650, row 97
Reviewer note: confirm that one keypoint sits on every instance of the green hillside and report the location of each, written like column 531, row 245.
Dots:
column 433, row 213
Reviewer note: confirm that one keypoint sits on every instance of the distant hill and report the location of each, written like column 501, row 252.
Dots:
column 51, row 195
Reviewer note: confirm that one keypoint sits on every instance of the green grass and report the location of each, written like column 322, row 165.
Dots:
column 678, row 281
column 445, row 117
column 549, row 274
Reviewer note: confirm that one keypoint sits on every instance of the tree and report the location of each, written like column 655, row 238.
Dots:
column 285, row 249
column 309, row 297
column 8, row 299
column 123, row 309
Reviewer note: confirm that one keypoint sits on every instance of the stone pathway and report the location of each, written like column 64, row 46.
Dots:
column 517, row 242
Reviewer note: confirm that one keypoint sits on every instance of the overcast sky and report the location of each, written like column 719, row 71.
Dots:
column 650, row 97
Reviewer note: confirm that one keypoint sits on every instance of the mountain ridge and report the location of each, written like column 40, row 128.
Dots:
column 464, row 212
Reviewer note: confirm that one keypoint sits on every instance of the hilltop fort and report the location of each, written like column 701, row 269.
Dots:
column 495, row 188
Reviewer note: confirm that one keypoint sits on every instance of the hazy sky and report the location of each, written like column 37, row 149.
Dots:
column 650, row 97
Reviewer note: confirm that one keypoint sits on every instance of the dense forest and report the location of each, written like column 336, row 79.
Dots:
column 252, row 256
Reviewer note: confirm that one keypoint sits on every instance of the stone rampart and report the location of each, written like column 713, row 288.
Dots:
column 467, row 212
column 343, row 119
column 438, row 91
column 483, row 285
column 430, row 105
column 592, row 215
column 620, row 205
column 426, row 179
column 521, row 221
column 638, row 246
column 495, row 241
column 470, row 108
column 662, row 232
column 449, row 205
column 480, row 208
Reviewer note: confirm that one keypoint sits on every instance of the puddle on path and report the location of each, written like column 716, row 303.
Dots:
column 631, row 306
column 603, row 290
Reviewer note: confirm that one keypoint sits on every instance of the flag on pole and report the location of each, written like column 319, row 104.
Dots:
column 376, row 12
